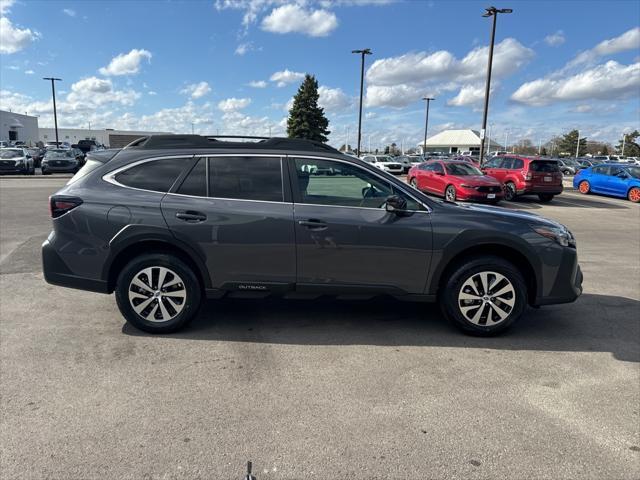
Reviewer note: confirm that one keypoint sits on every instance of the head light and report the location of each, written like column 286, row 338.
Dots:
column 560, row 234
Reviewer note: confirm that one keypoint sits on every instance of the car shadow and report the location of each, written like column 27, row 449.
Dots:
column 568, row 201
column 598, row 323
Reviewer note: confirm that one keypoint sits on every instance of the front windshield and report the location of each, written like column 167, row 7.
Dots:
column 59, row 154
column 461, row 169
column 10, row 153
column 571, row 161
column 634, row 171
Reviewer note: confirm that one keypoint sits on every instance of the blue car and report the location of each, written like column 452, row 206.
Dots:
column 616, row 179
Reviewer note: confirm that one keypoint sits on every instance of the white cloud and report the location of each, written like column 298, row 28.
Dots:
column 603, row 82
column 233, row 104
column 257, row 84
column 629, row 40
column 152, row 93
column 555, row 39
column 399, row 81
column 126, row 63
column 29, row 72
column 244, row 48
column 469, row 95
column 13, row 67
column 69, row 11
column 13, row 38
column 333, row 99
column 93, row 92
column 5, row 6
column 293, row 18
column 285, row 77
column 196, row 90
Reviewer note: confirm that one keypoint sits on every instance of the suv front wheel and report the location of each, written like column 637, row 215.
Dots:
column 158, row 293
column 483, row 296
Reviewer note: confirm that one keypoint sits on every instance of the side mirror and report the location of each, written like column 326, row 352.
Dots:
column 622, row 175
column 395, row 204
column 440, row 173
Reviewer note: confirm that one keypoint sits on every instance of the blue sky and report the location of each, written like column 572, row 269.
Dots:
column 232, row 66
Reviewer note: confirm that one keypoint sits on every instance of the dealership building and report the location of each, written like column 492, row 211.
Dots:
column 457, row 141
column 107, row 137
column 17, row 127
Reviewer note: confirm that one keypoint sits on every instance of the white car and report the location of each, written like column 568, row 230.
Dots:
column 384, row 162
column 16, row 160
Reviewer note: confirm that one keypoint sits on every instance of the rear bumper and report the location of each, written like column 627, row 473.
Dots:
column 57, row 273
column 534, row 189
column 567, row 286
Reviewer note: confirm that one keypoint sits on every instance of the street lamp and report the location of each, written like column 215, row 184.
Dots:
column 489, row 12
column 426, row 124
column 55, row 113
column 362, row 53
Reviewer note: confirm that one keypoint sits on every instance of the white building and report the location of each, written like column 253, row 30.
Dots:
column 18, row 127
column 108, row 137
column 458, row 141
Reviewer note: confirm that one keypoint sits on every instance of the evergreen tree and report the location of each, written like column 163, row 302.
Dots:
column 631, row 147
column 568, row 144
column 306, row 118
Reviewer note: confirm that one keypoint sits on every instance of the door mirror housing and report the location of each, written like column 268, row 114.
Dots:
column 395, row 204
column 622, row 175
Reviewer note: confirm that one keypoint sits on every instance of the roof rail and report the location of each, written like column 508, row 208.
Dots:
column 153, row 142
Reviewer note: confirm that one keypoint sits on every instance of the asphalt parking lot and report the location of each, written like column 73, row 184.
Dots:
column 324, row 389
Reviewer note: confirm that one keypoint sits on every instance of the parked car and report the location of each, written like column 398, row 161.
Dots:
column 568, row 166
column 171, row 219
column 455, row 180
column 88, row 145
column 37, row 154
column 616, row 179
column 4, row 144
column 405, row 161
column 467, row 158
column 16, row 160
column 60, row 161
column 384, row 162
column 498, row 153
column 526, row 176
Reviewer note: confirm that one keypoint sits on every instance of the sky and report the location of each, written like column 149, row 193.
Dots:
column 233, row 66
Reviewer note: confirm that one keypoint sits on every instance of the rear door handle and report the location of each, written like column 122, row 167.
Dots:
column 313, row 224
column 190, row 216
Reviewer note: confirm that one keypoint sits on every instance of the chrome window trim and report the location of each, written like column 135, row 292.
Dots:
column 420, row 202
column 110, row 176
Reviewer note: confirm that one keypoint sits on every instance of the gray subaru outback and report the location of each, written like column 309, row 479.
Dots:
column 171, row 219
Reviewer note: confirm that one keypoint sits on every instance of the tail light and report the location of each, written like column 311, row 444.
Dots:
column 527, row 175
column 59, row 205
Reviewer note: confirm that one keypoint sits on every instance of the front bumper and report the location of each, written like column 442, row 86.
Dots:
column 567, row 286
column 57, row 273
column 59, row 169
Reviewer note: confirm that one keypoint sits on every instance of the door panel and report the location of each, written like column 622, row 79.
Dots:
column 345, row 236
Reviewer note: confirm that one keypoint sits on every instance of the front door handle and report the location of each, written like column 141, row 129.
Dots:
column 191, row 216
column 313, row 224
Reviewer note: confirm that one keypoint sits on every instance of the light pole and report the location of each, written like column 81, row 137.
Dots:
column 55, row 113
column 578, row 144
column 489, row 12
column 426, row 124
column 506, row 140
column 624, row 138
column 362, row 53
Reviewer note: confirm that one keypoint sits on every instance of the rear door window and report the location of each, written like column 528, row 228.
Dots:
column 517, row 163
column 246, row 178
column 155, row 175
column 541, row 166
column 195, row 184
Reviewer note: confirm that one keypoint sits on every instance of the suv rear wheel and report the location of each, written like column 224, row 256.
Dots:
column 158, row 293
column 484, row 296
column 545, row 197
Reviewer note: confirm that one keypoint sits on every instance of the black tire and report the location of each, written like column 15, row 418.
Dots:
column 453, row 285
column 189, row 284
column 510, row 191
column 545, row 197
column 44, row 172
column 414, row 183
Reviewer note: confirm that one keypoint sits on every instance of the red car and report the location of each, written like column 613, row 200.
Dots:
column 526, row 176
column 455, row 180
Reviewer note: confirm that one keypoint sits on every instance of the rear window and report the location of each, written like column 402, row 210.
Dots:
column 246, row 178
column 86, row 169
column 544, row 167
column 156, row 175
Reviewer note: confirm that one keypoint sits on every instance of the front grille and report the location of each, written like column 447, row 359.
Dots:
column 489, row 189
column 394, row 165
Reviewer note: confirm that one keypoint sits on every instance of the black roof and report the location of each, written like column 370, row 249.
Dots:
column 159, row 142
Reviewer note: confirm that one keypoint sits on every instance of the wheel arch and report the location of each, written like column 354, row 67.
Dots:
column 506, row 252
column 154, row 243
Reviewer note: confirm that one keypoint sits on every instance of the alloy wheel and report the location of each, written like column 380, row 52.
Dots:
column 509, row 191
column 157, row 294
column 450, row 193
column 486, row 298
column 584, row 187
